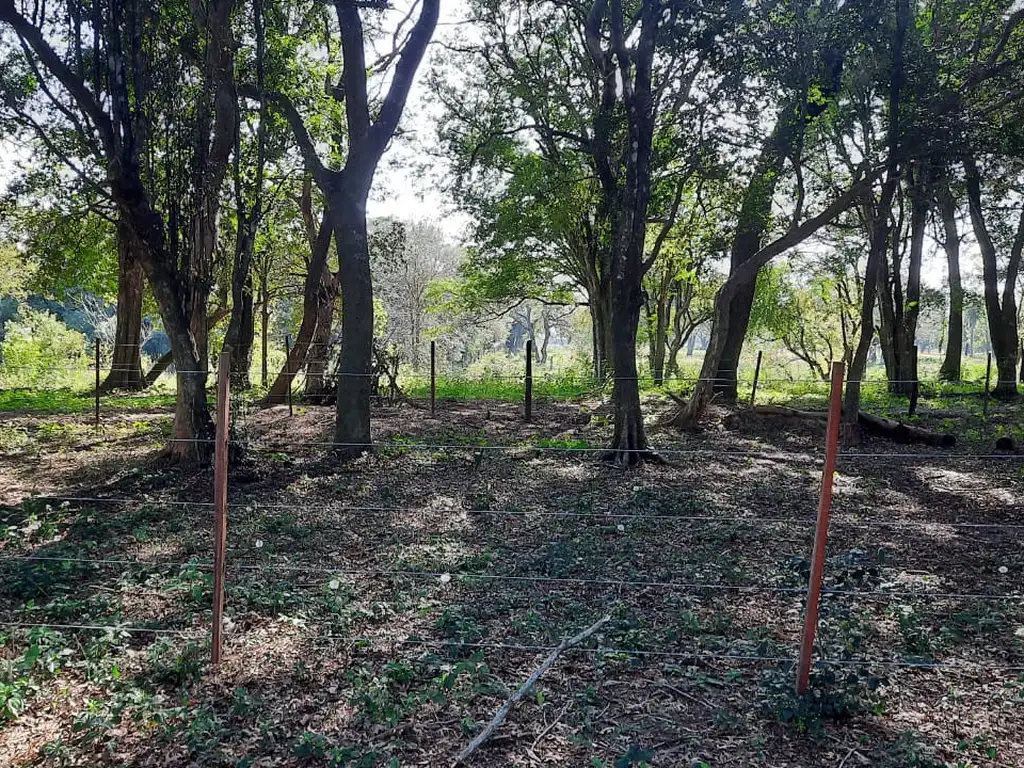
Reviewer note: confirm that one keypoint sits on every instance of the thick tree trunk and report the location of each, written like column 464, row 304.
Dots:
column 241, row 349
column 352, row 425
column 951, row 364
column 755, row 213
column 600, row 304
column 316, row 359
column 1001, row 313
column 126, row 361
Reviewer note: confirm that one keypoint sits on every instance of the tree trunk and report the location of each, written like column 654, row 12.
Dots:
column 352, row 426
column 278, row 392
column 1002, row 314
column 600, row 305
column 951, row 364
column 755, row 213
column 264, row 329
column 316, row 358
column 241, row 349
column 126, row 363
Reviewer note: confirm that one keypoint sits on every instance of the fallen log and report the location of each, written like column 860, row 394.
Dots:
column 900, row 432
column 879, row 426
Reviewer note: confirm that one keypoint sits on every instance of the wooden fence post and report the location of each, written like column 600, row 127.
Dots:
column 97, row 416
column 220, row 501
column 835, row 414
column 988, row 384
column 433, row 378
column 288, row 370
column 529, row 379
column 757, row 375
column 915, row 390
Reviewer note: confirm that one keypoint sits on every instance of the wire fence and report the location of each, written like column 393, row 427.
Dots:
column 247, row 518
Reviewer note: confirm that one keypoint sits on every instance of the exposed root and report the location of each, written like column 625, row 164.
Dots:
column 625, row 458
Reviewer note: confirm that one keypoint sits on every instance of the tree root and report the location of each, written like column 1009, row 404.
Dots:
column 626, row 458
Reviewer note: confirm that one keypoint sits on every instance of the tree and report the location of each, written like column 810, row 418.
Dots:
column 946, row 209
column 112, row 111
column 346, row 187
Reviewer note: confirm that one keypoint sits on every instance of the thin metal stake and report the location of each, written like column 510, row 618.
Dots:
column 288, row 368
column 529, row 379
column 757, row 375
column 835, row 414
column 988, row 383
column 97, row 382
column 220, row 502
column 433, row 378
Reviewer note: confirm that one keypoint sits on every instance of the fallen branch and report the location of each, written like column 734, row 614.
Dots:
column 524, row 689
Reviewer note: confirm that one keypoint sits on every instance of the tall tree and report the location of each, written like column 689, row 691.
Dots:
column 346, row 185
column 110, row 109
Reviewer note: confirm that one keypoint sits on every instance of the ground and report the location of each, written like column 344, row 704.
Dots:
column 380, row 612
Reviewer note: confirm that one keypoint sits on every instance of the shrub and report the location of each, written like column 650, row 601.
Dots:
column 39, row 349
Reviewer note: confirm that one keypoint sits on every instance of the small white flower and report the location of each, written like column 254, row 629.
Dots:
column 620, row 528
column 259, row 543
column 333, row 584
column 636, row 489
column 249, row 509
column 445, row 578
column 1003, row 569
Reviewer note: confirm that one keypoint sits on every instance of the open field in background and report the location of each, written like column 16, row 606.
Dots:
column 381, row 611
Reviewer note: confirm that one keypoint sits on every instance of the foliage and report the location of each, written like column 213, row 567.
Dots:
column 37, row 347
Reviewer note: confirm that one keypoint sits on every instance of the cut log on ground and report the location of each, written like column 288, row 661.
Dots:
column 879, row 426
column 524, row 689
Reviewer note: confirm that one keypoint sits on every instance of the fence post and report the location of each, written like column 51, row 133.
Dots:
column 288, row 370
column 835, row 414
column 220, row 501
column 757, row 375
column 529, row 379
column 988, row 382
column 97, row 416
column 915, row 390
column 433, row 377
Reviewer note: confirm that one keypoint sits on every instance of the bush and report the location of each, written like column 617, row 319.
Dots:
column 39, row 349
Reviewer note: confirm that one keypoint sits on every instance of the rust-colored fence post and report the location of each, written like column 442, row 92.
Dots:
column 529, row 379
column 757, row 375
column 97, row 417
column 915, row 391
column 988, row 384
column 835, row 414
column 220, row 501
column 433, row 378
column 288, row 371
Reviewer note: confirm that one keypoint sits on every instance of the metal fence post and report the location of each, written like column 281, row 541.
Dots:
column 757, row 375
column 97, row 416
column 915, row 391
column 529, row 379
column 220, row 502
column 988, row 384
column 288, row 371
column 835, row 414
column 433, row 378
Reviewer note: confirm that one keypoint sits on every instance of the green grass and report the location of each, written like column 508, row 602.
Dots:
column 67, row 400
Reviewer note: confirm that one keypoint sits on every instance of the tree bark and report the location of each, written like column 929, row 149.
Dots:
column 126, row 361
column 1001, row 313
column 951, row 363
column 311, row 296
column 316, row 390
column 352, row 423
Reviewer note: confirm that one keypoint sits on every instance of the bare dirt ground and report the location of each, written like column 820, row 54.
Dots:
column 381, row 611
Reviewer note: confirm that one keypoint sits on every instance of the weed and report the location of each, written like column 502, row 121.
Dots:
column 832, row 695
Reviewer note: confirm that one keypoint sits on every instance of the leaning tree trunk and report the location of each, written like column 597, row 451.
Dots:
column 352, row 424
column 951, row 364
column 126, row 361
column 278, row 392
column 319, row 347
